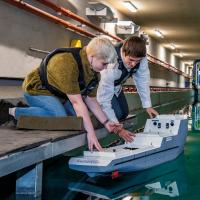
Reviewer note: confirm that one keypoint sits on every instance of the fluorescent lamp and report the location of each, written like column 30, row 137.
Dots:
column 158, row 33
column 129, row 5
column 172, row 46
column 181, row 55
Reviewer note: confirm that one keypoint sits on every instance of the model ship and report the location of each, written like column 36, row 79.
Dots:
column 162, row 140
column 165, row 179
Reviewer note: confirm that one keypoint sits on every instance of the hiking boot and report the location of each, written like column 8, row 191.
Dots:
column 4, row 112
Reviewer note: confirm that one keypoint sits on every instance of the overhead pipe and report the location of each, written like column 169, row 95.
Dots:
column 39, row 50
column 72, row 15
column 154, row 60
column 25, row 6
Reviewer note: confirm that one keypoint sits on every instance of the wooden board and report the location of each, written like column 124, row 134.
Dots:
column 50, row 123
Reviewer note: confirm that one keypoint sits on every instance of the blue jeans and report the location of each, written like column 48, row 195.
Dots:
column 45, row 106
column 120, row 106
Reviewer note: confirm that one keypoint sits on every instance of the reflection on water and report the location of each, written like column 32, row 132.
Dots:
column 170, row 189
column 196, row 117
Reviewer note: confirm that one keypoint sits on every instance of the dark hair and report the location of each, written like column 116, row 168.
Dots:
column 134, row 46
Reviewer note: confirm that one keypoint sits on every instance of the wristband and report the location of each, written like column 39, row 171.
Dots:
column 105, row 122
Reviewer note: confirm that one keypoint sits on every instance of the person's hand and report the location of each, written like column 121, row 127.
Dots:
column 111, row 126
column 125, row 134
column 152, row 112
column 93, row 142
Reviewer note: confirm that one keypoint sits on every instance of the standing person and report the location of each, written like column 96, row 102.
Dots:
column 66, row 84
column 132, row 62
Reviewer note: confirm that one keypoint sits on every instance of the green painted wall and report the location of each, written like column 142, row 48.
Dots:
column 157, row 98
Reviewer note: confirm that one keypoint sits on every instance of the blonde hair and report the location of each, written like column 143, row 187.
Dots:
column 102, row 48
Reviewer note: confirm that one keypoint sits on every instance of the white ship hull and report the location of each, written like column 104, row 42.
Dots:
column 163, row 140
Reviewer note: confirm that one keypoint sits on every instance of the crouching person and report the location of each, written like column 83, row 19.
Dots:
column 132, row 63
column 65, row 84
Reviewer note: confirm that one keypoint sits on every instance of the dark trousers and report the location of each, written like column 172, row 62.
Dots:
column 120, row 106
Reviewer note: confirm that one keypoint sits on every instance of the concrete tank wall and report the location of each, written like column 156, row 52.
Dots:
column 157, row 98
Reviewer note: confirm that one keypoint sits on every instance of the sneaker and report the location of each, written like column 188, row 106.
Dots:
column 4, row 111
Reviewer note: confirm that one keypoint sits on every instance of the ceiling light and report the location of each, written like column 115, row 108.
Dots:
column 181, row 55
column 158, row 33
column 129, row 5
column 172, row 46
